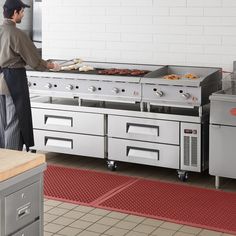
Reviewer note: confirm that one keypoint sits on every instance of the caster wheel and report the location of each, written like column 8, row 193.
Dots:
column 33, row 151
column 112, row 165
column 183, row 175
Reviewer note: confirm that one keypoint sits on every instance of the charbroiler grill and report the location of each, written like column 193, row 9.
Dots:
column 91, row 85
column 146, row 119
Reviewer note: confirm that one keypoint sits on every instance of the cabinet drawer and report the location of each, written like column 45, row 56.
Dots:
column 22, row 207
column 143, row 129
column 154, row 154
column 31, row 230
column 222, row 158
column 79, row 144
column 75, row 122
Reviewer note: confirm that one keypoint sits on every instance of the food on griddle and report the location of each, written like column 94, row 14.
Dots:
column 172, row 77
column 190, row 76
column 124, row 72
column 114, row 71
column 137, row 72
column 86, row 68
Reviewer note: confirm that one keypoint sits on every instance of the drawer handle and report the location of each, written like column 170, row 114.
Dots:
column 59, row 142
column 142, row 129
column 58, row 120
column 23, row 211
column 143, row 153
column 233, row 111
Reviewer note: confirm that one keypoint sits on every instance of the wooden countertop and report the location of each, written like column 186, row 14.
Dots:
column 13, row 163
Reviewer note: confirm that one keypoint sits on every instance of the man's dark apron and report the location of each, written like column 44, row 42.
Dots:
column 17, row 83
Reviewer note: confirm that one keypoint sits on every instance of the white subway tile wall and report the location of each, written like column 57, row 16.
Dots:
column 184, row 32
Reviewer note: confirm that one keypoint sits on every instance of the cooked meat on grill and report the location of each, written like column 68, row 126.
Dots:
column 124, row 72
column 172, row 77
column 114, row 71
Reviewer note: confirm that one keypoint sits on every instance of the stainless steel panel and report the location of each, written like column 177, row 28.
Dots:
column 31, row 230
column 223, row 112
column 171, row 94
column 190, row 147
column 143, row 129
column 21, row 208
column 74, row 122
column 84, row 88
column 37, row 20
column 154, row 154
column 61, row 142
column 222, row 160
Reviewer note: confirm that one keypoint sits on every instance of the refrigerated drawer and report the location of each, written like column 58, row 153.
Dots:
column 154, row 154
column 143, row 129
column 79, row 144
column 75, row 122
column 31, row 230
column 222, row 159
column 22, row 208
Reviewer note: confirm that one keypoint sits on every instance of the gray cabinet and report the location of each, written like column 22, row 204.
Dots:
column 21, row 204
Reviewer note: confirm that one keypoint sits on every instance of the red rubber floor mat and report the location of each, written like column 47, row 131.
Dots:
column 79, row 185
column 178, row 203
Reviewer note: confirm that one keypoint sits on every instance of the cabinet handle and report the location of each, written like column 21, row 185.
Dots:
column 23, row 211
column 142, row 129
column 143, row 153
column 58, row 142
column 58, row 120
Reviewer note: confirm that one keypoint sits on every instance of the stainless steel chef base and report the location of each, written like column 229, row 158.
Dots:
column 121, row 132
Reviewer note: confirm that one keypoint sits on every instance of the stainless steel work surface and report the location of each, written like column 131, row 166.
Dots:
column 112, row 109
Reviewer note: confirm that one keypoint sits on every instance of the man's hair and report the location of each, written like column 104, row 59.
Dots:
column 8, row 13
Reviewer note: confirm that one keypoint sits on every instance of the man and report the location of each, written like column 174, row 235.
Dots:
column 16, row 51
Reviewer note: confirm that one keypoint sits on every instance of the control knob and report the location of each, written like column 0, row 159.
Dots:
column 69, row 87
column 48, row 86
column 185, row 95
column 115, row 90
column 159, row 93
column 92, row 89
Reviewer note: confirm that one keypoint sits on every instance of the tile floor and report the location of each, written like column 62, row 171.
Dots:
column 71, row 220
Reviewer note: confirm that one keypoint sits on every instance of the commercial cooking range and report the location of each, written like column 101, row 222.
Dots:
column 223, row 131
column 158, row 117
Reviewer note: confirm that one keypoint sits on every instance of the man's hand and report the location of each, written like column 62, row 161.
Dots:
column 56, row 67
